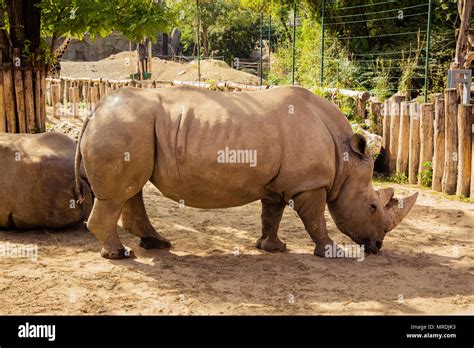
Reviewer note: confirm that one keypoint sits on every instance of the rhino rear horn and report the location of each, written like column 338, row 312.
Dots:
column 397, row 209
column 385, row 195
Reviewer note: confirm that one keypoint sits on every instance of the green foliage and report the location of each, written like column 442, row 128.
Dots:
column 226, row 28
column 426, row 175
column 136, row 19
column 400, row 178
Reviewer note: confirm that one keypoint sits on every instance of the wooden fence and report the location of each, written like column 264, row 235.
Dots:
column 22, row 93
column 74, row 96
column 438, row 134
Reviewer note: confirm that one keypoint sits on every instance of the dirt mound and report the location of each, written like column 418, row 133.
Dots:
column 121, row 65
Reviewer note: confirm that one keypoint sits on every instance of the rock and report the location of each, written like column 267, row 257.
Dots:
column 374, row 141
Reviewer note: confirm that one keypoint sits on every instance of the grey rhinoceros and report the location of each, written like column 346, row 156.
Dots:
column 211, row 149
column 37, row 184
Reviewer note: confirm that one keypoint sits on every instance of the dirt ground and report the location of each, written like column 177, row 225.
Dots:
column 114, row 67
column 426, row 266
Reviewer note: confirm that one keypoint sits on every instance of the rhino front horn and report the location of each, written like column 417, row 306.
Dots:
column 397, row 209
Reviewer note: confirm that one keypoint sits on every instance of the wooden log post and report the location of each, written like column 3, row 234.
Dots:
column 451, row 155
column 394, row 131
column 3, row 115
column 8, row 89
column 376, row 111
column 20, row 100
column 426, row 138
column 403, row 138
column 386, row 132
column 94, row 97
column 67, row 86
column 29, row 101
column 43, row 99
column 55, row 100
column 75, row 100
column 438, row 154
column 472, row 153
column 414, row 150
column 464, row 143
column 38, row 106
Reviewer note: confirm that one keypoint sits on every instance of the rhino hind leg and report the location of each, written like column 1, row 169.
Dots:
column 271, row 217
column 310, row 206
column 103, row 224
column 136, row 221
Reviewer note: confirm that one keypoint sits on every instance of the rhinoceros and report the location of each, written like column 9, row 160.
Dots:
column 209, row 149
column 37, row 184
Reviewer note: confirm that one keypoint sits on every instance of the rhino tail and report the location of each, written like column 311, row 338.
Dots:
column 77, row 164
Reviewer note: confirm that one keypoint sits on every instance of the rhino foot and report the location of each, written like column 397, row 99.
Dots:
column 117, row 254
column 154, row 243
column 329, row 250
column 270, row 244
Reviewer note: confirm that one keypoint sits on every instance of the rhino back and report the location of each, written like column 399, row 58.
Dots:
column 294, row 149
column 37, row 181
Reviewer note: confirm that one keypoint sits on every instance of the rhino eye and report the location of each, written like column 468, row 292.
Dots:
column 373, row 208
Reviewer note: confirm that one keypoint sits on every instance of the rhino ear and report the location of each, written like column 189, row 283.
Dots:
column 359, row 145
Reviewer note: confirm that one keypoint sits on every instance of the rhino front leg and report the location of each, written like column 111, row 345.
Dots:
column 136, row 221
column 310, row 207
column 271, row 217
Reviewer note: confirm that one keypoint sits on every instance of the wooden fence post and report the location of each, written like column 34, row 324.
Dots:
column 394, row 131
column 55, row 100
column 9, row 100
column 414, row 151
column 464, row 141
column 29, row 101
column 376, row 110
column 438, row 154
column 451, row 139
column 426, row 138
column 74, row 94
column 3, row 115
column 20, row 100
column 38, row 106
column 386, row 132
column 404, row 138
column 94, row 97
column 472, row 153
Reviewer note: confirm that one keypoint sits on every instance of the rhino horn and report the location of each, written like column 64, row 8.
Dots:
column 385, row 195
column 397, row 209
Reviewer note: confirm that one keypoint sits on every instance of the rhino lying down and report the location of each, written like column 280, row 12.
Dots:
column 37, row 182
column 216, row 150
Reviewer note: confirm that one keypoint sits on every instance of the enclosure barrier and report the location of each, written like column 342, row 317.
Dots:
column 430, row 142
column 22, row 93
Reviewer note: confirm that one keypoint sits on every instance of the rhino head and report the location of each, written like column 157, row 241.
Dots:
column 359, row 211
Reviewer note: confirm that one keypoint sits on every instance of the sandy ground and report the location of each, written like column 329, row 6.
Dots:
column 426, row 266
column 114, row 67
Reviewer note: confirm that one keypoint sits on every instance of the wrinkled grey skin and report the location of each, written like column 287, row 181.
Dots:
column 306, row 154
column 37, row 185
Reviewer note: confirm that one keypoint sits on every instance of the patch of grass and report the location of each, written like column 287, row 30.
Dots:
column 386, row 181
